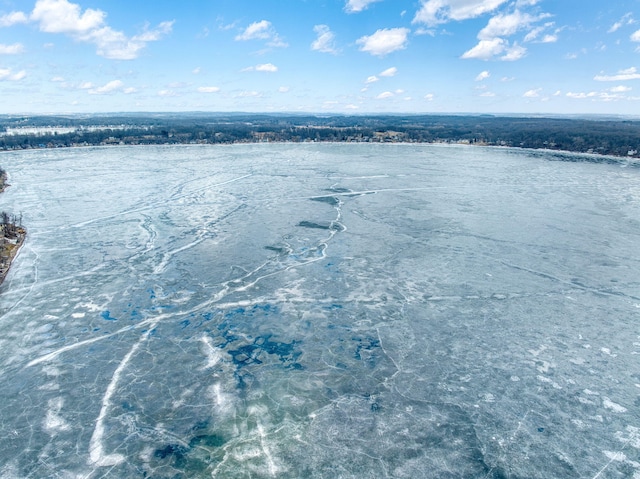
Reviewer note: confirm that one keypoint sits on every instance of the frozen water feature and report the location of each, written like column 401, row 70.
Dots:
column 324, row 310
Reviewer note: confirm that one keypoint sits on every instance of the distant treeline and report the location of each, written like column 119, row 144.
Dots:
column 617, row 137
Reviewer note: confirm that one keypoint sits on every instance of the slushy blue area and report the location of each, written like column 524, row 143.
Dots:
column 448, row 311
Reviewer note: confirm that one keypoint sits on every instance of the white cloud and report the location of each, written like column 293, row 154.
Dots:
column 208, row 89
column 372, row 79
column 488, row 94
column 325, row 42
column 248, row 94
column 57, row 79
column 433, row 12
column 284, row 89
column 264, row 67
column 13, row 18
column 429, row 96
column 549, row 38
column 354, row 6
column 582, row 95
column 389, row 72
column 532, row 93
column 635, row 36
column 622, row 75
column 256, row 31
column 515, row 52
column 483, row 75
column 486, row 49
column 506, row 25
column 384, row 95
column 262, row 30
column 384, row 41
column 267, row 67
column 6, row 74
column 111, row 87
column 620, row 89
column 605, row 96
column 62, row 16
column 626, row 19
column 196, row 71
column 14, row 49
column 85, row 85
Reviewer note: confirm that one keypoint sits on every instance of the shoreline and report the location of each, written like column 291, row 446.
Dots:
column 595, row 156
column 11, row 239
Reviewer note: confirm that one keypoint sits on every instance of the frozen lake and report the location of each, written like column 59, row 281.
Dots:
column 321, row 311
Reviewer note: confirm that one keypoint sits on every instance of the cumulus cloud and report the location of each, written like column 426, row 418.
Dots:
column 622, row 75
column 372, row 79
column 208, row 89
column 486, row 49
column 14, row 49
column 635, row 36
column 433, row 12
column 262, row 30
column 506, row 25
column 389, row 72
column 429, row 96
column 325, row 42
column 492, row 42
column 13, row 18
column 483, row 75
column 111, row 87
column 620, row 89
column 354, row 6
column 64, row 17
column 6, row 74
column 384, row 95
column 384, row 41
column 284, row 89
column 532, row 93
column 264, row 67
column 514, row 52
column 61, row 16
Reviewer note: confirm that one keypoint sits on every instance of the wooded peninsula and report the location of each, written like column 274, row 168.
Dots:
column 598, row 135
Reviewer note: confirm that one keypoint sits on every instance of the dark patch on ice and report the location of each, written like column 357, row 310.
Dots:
column 365, row 347
column 281, row 250
column 207, row 440
column 332, row 200
column 107, row 315
column 314, row 225
column 251, row 353
column 333, row 225
column 175, row 452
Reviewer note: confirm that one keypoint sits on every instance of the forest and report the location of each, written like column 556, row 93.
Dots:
column 604, row 136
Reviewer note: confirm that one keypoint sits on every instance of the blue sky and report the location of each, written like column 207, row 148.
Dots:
column 338, row 56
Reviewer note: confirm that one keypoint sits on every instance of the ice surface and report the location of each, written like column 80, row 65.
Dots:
column 333, row 310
